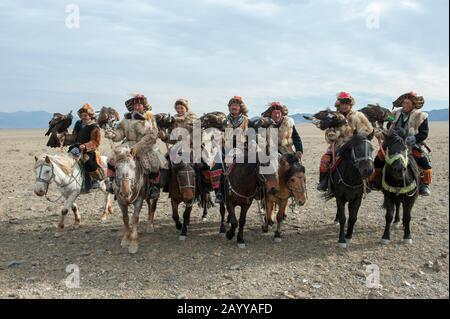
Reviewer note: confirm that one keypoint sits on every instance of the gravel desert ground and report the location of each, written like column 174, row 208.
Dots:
column 307, row 264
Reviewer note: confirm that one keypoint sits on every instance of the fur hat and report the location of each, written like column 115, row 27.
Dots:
column 87, row 108
column 275, row 106
column 183, row 102
column 344, row 97
column 418, row 101
column 137, row 99
column 238, row 100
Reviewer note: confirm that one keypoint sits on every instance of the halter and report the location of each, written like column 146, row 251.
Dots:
column 367, row 154
column 406, row 189
column 118, row 179
column 45, row 181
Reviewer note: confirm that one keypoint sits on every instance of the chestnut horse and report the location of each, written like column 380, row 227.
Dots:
column 289, row 182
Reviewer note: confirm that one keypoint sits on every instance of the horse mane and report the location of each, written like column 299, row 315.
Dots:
column 295, row 166
column 121, row 153
column 63, row 161
column 355, row 140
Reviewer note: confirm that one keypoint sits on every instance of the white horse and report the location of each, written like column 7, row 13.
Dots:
column 130, row 187
column 66, row 173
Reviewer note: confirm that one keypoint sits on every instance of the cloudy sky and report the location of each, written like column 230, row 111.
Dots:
column 298, row 52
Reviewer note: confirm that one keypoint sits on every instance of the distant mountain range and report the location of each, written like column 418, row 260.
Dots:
column 433, row 116
column 40, row 119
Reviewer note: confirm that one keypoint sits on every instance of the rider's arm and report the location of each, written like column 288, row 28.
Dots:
column 297, row 140
column 423, row 132
column 94, row 142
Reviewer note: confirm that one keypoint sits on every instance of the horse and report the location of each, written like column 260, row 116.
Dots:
column 130, row 188
column 347, row 182
column 65, row 171
column 241, row 186
column 400, row 180
column 289, row 182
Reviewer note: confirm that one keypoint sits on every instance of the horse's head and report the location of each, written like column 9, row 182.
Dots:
column 295, row 179
column 396, row 153
column 359, row 150
column 125, row 178
column 43, row 168
column 213, row 120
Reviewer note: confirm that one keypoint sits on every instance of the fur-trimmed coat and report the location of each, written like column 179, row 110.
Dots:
column 140, row 134
column 357, row 122
column 285, row 130
column 415, row 121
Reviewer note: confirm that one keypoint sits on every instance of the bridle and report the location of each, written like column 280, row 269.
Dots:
column 45, row 181
column 404, row 160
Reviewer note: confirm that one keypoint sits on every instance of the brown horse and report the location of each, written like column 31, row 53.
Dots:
column 289, row 182
column 131, row 189
column 241, row 186
column 182, row 187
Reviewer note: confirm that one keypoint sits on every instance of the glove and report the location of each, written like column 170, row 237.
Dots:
column 410, row 140
column 299, row 155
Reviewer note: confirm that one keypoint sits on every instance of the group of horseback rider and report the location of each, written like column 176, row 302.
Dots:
column 140, row 132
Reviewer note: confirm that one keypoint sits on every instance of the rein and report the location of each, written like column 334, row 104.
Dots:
column 47, row 182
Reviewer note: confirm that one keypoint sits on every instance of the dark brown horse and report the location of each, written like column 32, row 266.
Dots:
column 289, row 182
column 241, row 186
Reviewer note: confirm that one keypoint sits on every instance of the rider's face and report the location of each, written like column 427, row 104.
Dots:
column 85, row 117
column 276, row 115
column 139, row 108
column 407, row 105
column 345, row 108
column 180, row 109
column 235, row 109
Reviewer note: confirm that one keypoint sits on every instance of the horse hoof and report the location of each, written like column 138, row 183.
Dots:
column 182, row 238
column 241, row 246
column 58, row 234
column 265, row 229
column 343, row 245
column 76, row 226
column 132, row 249
column 397, row 225
column 277, row 240
column 385, row 241
column 150, row 230
column 337, row 224
column 124, row 243
column 407, row 241
column 222, row 235
column 348, row 241
column 204, row 219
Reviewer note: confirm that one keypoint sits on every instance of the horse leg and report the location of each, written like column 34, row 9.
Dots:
column 397, row 215
column 108, row 207
column 77, row 216
column 205, row 201
column 175, row 215
column 151, row 215
column 280, row 218
column 67, row 205
column 223, row 228
column 407, row 208
column 389, row 202
column 268, row 218
column 233, row 221
column 134, row 237
column 186, row 220
column 353, row 208
column 242, row 220
column 342, row 221
column 336, row 220
column 126, row 226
